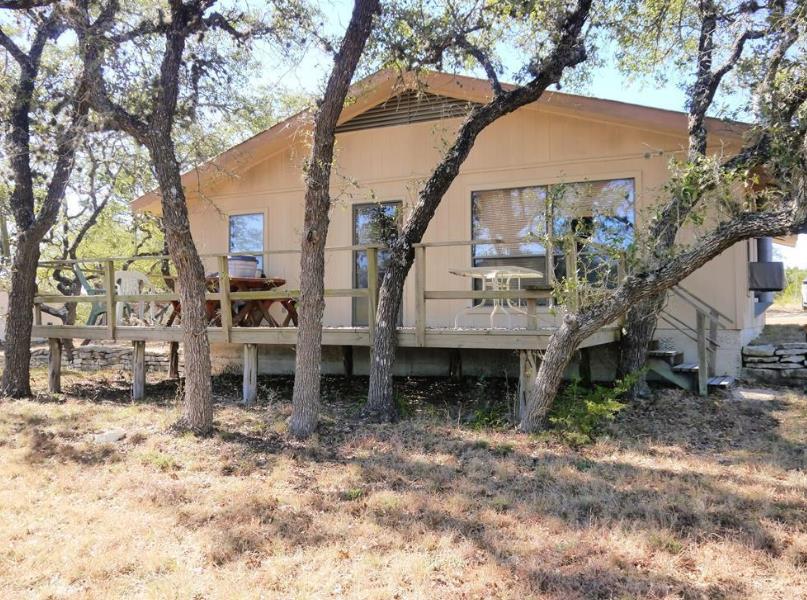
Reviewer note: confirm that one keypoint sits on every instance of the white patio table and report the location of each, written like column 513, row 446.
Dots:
column 496, row 278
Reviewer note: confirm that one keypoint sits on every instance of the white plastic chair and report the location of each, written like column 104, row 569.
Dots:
column 132, row 283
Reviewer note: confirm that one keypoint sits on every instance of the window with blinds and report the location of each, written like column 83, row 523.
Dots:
column 602, row 211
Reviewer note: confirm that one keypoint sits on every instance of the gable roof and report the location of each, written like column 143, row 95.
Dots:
column 434, row 92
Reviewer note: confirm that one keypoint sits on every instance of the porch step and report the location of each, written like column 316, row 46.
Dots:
column 686, row 368
column 722, row 381
column 663, row 369
column 684, row 375
column 672, row 357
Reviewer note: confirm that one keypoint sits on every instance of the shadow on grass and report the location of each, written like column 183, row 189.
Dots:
column 441, row 479
column 578, row 491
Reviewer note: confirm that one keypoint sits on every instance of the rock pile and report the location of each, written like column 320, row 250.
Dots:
column 776, row 363
column 96, row 358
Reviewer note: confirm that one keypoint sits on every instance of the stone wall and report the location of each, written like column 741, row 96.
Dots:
column 98, row 357
column 784, row 363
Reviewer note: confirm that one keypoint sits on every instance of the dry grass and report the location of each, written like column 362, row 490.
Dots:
column 685, row 498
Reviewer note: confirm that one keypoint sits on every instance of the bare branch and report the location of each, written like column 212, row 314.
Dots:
column 484, row 61
column 14, row 50
column 22, row 4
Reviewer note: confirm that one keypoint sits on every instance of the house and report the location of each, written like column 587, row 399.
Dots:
column 391, row 133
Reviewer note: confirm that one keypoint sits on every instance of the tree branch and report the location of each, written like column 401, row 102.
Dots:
column 16, row 53
column 22, row 4
column 484, row 61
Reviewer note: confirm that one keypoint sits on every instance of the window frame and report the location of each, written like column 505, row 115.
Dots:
column 634, row 176
column 354, row 209
column 264, row 255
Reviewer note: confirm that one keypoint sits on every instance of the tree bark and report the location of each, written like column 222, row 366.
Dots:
column 197, row 413
column 20, row 318
column 306, row 395
column 33, row 224
column 561, row 348
column 380, row 404
column 568, row 52
column 637, row 334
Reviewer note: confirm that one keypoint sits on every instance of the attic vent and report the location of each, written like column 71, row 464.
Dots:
column 409, row 107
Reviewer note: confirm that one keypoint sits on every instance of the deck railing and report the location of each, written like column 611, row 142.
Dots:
column 110, row 299
column 526, row 340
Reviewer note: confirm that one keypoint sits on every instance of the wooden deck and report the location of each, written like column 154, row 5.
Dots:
column 492, row 339
column 528, row 340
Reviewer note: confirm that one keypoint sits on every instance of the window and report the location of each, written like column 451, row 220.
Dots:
column 601, row 216
column 600, row 212
column 372, row 224
column 246, row 235
column 510, row 214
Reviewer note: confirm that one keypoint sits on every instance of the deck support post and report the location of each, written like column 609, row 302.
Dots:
column 455, row 364
column 173, row 360
column 527, row 370
column 54, row 365
column 347, row 360
column 532, row 314
column 584, row 368
column 250, row 374
column 703, row 355
column 138, row 370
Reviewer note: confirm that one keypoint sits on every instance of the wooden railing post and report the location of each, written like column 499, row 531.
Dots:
column 571, row 276
column 37, row 313
column 226, row 308
column 420, row 295
column 532, row 314
column 713, row 323
column 703, row 366
column 109, row 284
column 372, row 290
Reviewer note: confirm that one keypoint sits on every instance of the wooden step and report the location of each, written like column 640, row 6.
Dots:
column 686, row 368
column 663, row 369
column 722, row 381
column 673, row 357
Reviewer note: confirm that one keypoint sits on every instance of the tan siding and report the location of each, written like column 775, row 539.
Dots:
column 530, row 147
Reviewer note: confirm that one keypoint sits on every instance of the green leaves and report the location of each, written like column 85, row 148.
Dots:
column 579, row 413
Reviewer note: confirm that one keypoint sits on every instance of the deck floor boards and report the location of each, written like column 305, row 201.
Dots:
column 501, row 339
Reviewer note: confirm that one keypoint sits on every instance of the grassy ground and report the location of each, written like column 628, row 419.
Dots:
column 684, row 498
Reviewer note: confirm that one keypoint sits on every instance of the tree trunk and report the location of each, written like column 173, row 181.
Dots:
column 380, row 404
column 638, row 332
column 560, row 350
column 305, row 400
column 20, row 318
column 197, row 412
column 308, row 359
column 652, row 284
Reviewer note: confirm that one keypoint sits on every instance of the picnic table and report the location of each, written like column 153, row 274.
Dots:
column 246, row 313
